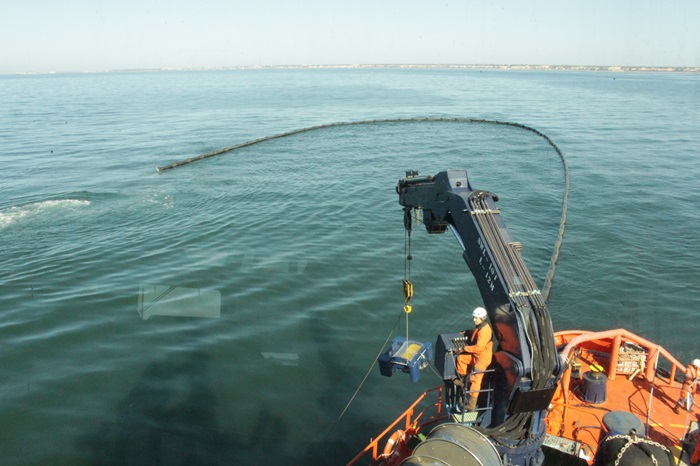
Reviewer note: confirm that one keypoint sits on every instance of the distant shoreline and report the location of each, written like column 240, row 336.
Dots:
column 659, row 69
column 594, row 68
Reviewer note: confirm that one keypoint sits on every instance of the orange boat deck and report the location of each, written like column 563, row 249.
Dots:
column 634, row 385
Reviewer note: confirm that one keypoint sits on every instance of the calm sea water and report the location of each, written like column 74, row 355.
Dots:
column 226, row 311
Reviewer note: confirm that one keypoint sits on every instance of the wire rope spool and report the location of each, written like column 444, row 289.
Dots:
column 455, row 444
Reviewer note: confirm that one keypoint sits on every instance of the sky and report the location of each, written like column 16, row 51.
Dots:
column 98, row 35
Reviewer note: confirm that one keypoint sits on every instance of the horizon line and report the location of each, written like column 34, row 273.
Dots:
column 502, row 66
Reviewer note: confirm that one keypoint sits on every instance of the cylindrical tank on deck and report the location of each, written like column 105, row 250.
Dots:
column 594, row 387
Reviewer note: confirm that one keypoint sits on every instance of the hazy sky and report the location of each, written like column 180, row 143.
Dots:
column 91, row 35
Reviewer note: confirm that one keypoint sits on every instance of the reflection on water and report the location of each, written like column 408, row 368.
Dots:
column 163, row 300
column 169, row 417
column 284, row 359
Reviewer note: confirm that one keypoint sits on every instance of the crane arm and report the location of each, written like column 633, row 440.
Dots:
column 527, row 356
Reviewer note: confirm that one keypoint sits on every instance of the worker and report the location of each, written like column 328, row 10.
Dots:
column 690, row 384
column 476, row 356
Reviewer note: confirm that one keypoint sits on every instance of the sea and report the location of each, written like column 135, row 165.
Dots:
column 231, row 310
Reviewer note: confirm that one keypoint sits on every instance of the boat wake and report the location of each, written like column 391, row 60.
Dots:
column 16, row 214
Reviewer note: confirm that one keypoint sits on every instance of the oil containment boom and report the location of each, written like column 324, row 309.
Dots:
column 526, row 364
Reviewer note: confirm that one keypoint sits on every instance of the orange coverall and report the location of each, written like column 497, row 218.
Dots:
column 692, row 374
column 476, row 356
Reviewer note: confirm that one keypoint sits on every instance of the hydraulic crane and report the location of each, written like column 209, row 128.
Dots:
column 526, row 366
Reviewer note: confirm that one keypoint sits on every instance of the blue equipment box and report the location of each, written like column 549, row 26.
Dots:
column 405, row 356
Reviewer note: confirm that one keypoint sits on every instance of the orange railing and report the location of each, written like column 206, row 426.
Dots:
column 410, row 419
column 617, row 337
column 572, row 339
column 411, row 425
column 613, row 341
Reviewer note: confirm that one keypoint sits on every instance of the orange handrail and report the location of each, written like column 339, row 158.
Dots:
column 576, row 337
column 617, row 336
column 411, row 424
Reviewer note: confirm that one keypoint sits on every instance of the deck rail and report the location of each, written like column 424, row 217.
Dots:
column 410, row 425
column 410, row 418
column 616, row 338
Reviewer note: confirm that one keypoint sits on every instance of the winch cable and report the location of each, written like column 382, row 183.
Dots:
column 369, row 371
column 407, row 285
column 359, row 387
column 562, row 223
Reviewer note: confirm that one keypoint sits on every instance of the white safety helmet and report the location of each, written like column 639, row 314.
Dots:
column 696, row 363
column 479, row 312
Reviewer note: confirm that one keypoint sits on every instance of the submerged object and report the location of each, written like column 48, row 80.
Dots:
column 178, row 301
